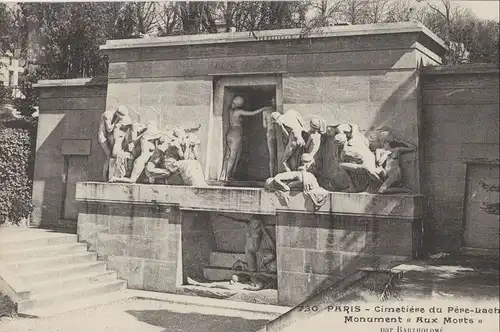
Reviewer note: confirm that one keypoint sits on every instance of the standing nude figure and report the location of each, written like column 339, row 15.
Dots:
column 292, row 126
column 268, row 124
column 388, row 158
column 234, row 137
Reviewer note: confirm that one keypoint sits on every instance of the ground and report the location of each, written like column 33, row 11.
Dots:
column 141, row 315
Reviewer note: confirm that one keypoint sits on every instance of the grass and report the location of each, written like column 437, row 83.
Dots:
column 7, row 307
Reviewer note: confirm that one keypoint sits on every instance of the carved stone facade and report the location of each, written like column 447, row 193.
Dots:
column 332, row 145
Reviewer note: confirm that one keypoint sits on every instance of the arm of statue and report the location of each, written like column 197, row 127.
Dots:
column 141, row 161
column 250, row 113
column 314, row 144
column 380, row 156
column 283, row 129
column 401, row 150
column 179, row 150
column 307, row 182
column 297, row 132
column 192, row 129
column 108, row 121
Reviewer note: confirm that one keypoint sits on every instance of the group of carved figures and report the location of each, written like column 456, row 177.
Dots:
column 300, row 160
column 142, row 153
column 297, row 149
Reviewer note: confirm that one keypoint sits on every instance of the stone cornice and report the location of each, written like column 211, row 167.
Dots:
column 283, row 34
column 90, row 81
column 250, row 200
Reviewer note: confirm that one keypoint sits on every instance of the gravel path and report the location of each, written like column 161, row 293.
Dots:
column 141, row 315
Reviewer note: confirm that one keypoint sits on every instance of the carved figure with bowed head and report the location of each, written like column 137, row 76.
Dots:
column 388, row 158
column 356, row 158
column 292, row 126
column 234, row 137
column 317, row 128
column 105, row 137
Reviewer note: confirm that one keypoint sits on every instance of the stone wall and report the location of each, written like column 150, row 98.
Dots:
column 174, row 229
column 316, row 251
column 67, row 150
column 461, row 126
column 142, row 243
column 359, row 74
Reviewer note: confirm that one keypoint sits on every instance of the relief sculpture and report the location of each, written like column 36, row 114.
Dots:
column 143, row 153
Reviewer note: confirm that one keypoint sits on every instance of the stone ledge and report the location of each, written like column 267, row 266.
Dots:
column 473, row 68
column 250, row 200
column 12, row 285
column 91, row 81
column 282, row 34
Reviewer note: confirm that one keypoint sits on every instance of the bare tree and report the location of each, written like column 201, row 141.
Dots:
column 376, row 11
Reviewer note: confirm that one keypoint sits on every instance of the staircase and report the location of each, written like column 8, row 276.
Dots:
column 58, row 273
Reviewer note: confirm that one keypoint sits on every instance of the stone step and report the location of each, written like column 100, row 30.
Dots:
column 81, row 279
column 86, row 302
column 219, row 274
column 62, row 271
column 225, row 259
column 37, row 240
column 52, row 262
column 70, row 294
column 42, row 251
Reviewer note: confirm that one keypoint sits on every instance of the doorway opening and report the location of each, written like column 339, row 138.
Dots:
column 252, row 168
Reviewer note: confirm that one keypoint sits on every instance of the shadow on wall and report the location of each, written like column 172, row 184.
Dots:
column 55, row 174
column 194, row 322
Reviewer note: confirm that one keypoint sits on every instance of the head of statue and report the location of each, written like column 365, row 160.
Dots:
column 386, row 137
column 193, row 139
column 179, row 133
column 273, row 101
column 122, row 111
column 163, row 143
column 317, row 125
column 152, row 131
column 306, row 160
column 237, row 102
column 276, row 117
column 254, row 222
column 340, row 139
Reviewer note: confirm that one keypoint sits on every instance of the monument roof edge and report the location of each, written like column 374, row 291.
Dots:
column 281, row 34
column 470, row 68
column 90, row 81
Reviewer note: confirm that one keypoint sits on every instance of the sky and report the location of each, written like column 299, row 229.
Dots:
column 483, row 9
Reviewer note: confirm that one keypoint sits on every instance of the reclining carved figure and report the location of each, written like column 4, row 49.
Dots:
column 302, row 179
column 260, row 252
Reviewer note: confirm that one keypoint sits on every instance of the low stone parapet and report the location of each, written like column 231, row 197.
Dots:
column 155, row 236
column 250, row 200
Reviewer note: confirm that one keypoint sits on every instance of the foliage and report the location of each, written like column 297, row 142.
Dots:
column 490, row 208
column 61, row 40
column 16, row 141
column 7, row 306
column 468, row 38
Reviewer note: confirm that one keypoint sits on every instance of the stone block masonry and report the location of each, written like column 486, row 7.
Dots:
column 139, row 229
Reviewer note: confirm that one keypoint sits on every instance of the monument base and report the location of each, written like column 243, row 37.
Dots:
column 156, row 236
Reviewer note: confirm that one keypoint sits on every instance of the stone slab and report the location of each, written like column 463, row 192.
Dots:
column 79, row 147
column 248, row 200
column 279, row 35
